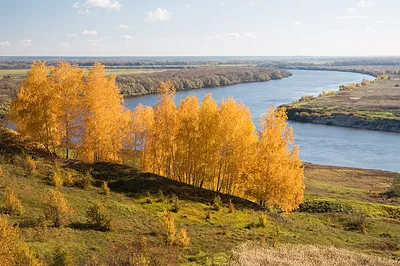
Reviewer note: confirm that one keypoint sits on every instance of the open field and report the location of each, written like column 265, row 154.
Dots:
column 374, row 106
column 21, row 73
column 345, row 207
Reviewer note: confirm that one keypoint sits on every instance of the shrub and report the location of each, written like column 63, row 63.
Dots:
column 105, row 189
column 68, row 179
column 12, row 250
column 175, row 204
column 231, row 207
column 394, row 190
column 30, row 164
column 160, row 196
column 56, row 179
column 217, row 203
column 208, row 215
column 85, row 181
column 1, row 171
column 99, row 218
column 263, row 220
column 183, row 237
column 304, row 114
column 13, row 205
column 61, row 257
column 324, row 206
column 169, row 225
column 55, row 208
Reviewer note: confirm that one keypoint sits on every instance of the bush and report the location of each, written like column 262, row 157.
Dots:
column 175, row 204
column 231, row 207
column 105, row 189
column 86, row 180
column 56, row 179
column 13, row 205
column 217, row 203
column 30, row 164
column 170, row 229
column 55, row 208
column 263, row 220
column 394, row 190
column 98, row 217
column 183, row 237
column 12, row 250
column 61, row 257
column 68, row 179
column 324, row 206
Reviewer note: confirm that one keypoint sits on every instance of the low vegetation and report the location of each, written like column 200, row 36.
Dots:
column 344, row 207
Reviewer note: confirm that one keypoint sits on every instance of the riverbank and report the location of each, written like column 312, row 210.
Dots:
column 374, row 106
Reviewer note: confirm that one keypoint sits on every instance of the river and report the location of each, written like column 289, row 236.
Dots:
column 318, row 143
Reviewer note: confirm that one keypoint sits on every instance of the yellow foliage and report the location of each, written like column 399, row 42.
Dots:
column 105, row 189
column 12, row 250
column 170, row 228
column 183, row 237
column 13, row 205
column 30, row 164
column 55, row 207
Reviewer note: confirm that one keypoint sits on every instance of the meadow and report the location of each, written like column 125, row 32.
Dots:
column 354, row 209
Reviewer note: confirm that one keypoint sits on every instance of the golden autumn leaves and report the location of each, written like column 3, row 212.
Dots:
column 200, row 143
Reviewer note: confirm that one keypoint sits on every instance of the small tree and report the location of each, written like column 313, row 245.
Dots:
column 61, row 257
column 30, row 164
column 169, row 224
column 105, row 189
column 55, row 207
column 99, row 218
column 13, row 205
column 183, row 237
column 217, row 203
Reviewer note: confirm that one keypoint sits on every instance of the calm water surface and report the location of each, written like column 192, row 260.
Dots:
column 318, row 143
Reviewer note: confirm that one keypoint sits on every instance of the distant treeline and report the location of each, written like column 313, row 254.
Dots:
column 140, row 84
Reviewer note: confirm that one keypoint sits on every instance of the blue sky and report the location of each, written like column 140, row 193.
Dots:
column 199, row 27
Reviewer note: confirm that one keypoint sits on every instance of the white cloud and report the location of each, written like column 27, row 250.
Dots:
column 76, row 5
column 207, row 38
column 336, row 31
column 128, row 46
column 107, row 4
column 71, row 35
column 86, row 12
column 64, row 44
column 383, row 22
column 222, row 4
column 369, row 30
column 298, row 22
column 163, row 38
column 250, row 35
column 158, row 14
column 351, row 10
column 89, row 32
column 219, row 37
column 128, row 37
column 252, row 3
column 95, row 42
column 349, row 17
column 232, row 34
column 365, row 3
column 188, row 6
column 122, row 26
column 5, row 43
column 26, row 43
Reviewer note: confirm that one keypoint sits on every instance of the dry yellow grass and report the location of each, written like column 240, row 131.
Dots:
column 250, row 254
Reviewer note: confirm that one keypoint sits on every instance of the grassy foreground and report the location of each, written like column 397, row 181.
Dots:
column 346, row 208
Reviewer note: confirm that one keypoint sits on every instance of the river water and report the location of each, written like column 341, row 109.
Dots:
column 318, row 143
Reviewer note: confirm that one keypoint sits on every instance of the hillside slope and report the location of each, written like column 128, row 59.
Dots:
column 345, row 207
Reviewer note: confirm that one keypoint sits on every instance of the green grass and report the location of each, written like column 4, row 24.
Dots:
column 211, row 239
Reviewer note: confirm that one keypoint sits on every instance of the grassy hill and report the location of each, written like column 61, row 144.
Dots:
column 346, row 208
